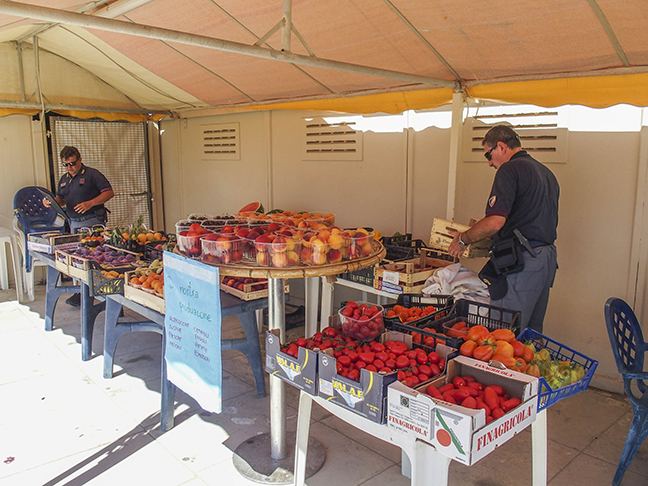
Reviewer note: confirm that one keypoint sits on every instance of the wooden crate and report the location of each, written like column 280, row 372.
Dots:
column 407, row 276
column 147, row 299
column 62, row 261
column 50, row 241
column 440, row 238
column 81, row 267
column 247, row 293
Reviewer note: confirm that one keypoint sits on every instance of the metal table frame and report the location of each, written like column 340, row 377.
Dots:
column 154, row 322
column 55, row 289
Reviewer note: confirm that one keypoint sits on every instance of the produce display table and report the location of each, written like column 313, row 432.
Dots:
column 426, row 466
column 278, row 456
column 54, row 290
column 230, row 306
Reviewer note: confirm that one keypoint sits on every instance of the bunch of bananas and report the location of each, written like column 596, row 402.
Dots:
column 557, row 373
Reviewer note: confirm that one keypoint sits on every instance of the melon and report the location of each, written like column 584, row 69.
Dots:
column 253, row 207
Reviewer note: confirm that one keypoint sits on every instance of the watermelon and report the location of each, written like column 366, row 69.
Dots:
column 253, row 207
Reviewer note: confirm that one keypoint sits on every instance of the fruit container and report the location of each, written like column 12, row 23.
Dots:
column 357, row 243
column 362, row 320
column 222, row 248
column 270, row 250
column 182, row 225
column 189, row 244
column 315, row 249
column 199, row 217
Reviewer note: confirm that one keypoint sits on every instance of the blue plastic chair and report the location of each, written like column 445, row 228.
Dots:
column 628, row 347
column 34, row 217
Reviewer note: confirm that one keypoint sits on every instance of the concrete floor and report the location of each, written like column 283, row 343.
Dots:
column 62, row 423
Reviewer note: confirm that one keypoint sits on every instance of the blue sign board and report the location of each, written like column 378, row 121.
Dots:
column 192, row 329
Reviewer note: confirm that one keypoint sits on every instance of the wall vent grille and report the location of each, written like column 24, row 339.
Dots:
column 539, row 133
column 340, row 140
column 221, row 141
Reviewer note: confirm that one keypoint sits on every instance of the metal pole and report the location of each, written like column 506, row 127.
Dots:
column 276, row 320
column 455, row 151
column 88, row 21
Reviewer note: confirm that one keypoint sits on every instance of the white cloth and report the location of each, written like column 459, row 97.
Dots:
column 458, row 281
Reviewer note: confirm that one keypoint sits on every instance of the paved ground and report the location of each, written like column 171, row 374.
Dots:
column 62, row 423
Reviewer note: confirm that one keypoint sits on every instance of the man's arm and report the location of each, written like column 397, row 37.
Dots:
column 46, row 202
column 484, row 228
column 102, row 198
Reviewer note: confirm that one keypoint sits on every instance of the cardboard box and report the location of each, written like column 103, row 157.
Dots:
column 441, row 238
column 457, row 432
column 301, row 372
column 407, row 276
column 50, row 241
column 369, row 396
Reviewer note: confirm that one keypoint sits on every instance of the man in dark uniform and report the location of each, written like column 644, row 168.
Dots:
column 524, row 196
column 83, row 192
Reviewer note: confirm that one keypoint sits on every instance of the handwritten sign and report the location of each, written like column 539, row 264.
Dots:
column 192, row 329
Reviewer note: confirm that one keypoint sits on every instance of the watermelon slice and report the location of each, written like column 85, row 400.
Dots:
column 253, row 207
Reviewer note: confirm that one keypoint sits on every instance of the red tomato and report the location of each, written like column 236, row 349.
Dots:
column 344, row 361
column 425, row 369
column 434, row 357
column 354, row 375
column 402, row 362
column 371, row 367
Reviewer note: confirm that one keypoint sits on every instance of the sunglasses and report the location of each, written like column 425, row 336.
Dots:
column 70, row 163
column 488, row 154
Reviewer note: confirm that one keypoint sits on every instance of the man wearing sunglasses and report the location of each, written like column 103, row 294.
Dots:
column 522, row 208
column 83, row 191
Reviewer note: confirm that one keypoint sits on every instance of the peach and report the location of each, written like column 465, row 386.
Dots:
column 324, row 234
column 224, row 243
column 306, row 254
column 318, row 258
column 280, row 260
column 319, row 245
column 334, row 256
column 293, row 258
column 335, row 241
column 263, row 258
column 280, row 244
column 243, row 232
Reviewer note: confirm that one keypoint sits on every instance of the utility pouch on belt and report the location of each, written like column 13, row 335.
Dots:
column 506, row 256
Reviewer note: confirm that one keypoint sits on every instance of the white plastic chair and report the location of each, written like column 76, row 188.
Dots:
column 27, row 280
column 8, row 236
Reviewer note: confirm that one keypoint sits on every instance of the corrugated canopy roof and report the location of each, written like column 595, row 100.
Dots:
column 363, row 56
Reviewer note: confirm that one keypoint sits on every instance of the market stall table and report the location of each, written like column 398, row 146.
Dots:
column 230, row 306
column 259, row 455
column 420, row 460
column 55, row 289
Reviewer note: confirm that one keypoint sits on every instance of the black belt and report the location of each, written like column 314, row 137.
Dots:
column 85, row 217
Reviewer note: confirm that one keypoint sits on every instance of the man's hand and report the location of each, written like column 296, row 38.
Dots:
column 83, row 207
column 455, row 250
column 46, row 202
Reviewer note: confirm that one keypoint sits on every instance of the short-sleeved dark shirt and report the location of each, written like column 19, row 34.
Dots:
column 526, row 193
column 86, row 185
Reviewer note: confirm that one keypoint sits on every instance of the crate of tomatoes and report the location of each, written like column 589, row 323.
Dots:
column 356, row 375
column 464, row 314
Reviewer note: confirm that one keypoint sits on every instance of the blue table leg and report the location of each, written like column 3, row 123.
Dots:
column 54, row 291
column 89, row 312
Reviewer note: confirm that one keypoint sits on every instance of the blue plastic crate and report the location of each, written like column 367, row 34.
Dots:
column 547, row 396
